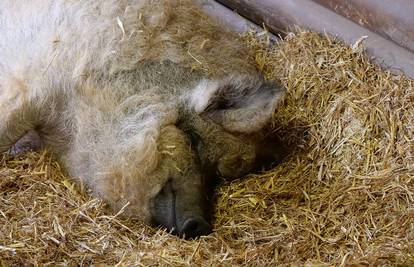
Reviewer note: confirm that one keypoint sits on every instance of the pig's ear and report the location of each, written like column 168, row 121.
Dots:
column 241, row 105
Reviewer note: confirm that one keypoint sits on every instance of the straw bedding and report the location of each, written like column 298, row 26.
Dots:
column 344, row 194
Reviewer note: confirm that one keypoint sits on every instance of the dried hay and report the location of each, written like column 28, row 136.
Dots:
column 343, row 196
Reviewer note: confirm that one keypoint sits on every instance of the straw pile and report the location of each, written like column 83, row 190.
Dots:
column 343, row 196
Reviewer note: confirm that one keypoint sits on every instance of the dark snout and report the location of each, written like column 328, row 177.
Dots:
column 180, row 211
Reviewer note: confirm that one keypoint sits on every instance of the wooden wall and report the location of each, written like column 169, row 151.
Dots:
column 385, row 27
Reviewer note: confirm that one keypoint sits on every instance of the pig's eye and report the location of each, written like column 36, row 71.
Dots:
column 194, row 138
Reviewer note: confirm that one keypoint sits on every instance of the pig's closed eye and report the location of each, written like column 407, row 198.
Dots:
column 192, row 136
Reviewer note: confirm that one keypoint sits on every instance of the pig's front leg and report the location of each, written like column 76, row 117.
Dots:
column 29, row 142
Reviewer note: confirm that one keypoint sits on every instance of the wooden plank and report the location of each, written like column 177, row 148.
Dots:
column 230, row 19
column 392, row 19
column 259, row 13
column 308, row 14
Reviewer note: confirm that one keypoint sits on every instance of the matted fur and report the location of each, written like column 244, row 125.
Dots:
column 100, row 80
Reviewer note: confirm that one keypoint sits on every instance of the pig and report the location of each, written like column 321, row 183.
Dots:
column 141, row 100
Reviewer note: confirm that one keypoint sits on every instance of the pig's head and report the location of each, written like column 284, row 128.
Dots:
column 216, row 136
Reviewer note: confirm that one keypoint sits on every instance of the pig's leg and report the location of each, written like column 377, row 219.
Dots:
column 16, row 122
column 29, row 142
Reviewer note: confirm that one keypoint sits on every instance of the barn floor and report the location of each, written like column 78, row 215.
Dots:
column 343, row 196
